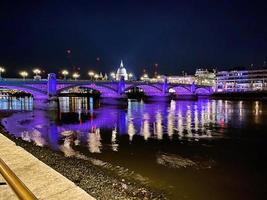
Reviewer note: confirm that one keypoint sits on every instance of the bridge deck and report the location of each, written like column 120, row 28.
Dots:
column 42, row 180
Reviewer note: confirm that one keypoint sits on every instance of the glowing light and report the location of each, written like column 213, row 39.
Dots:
column 75, row 76
column 96, row 76
column 2, row 70
column 37, row 71
column 24, row 74
column 113, row 75
column 65, row 72
column 130, row 75
column 91, row 74
column 145, row 76
column 159, row 128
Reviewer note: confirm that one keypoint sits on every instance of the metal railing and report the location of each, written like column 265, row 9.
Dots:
column 22, row 192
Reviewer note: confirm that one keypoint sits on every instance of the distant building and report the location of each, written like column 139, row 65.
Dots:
column 187, row 79
column 241, row 80
column 205, row 77
column 121, row 72
column 201, row 77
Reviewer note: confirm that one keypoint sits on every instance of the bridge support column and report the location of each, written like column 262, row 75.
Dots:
column 121, row 86
column 52, row 86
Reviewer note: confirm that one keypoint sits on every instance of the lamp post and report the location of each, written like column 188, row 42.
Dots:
column 96, row 76
column 145, row 76
column 130, row 76
column 2, row 70
column 75, row 76
column 24, row 74
column 91, row 74
column 37, row 72
column 113, row 75
column 65, row 73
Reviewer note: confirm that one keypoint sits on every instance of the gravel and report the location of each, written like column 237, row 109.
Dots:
column 98, row 182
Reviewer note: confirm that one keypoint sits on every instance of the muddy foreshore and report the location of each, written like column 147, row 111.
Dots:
column 100, row 183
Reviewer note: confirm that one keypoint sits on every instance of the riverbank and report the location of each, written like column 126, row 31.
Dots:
column 44, row 182
column 99, row 182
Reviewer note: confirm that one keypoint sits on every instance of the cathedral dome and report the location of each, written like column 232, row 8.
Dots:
column 121, row 72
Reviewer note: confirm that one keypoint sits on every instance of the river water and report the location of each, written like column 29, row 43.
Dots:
column 205, row 149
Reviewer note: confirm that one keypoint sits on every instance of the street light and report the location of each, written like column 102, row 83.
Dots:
column 37, row 72
column 96, row 76
column 91, row 74
column 76, row 75
column 24, row 74
column 130, row 76
column 2, row 70
column 65, row 73
column 113, row 75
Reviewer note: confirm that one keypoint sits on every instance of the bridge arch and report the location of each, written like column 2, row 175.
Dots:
column 203, row 91
column 36, row 93
column 181, row 90
column 149, row 90
column 104, row 90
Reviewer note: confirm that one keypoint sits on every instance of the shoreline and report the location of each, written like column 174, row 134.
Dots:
column 99, row 182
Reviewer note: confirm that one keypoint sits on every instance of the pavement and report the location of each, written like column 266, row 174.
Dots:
column 43, row 181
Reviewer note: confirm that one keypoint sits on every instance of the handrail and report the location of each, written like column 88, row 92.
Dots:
column 22, row 192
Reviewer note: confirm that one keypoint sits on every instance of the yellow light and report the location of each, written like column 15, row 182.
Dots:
column 130, row 75
column 36, row 71
column 65, row 72
column 76, row 75
column 2, row 69
column 24, row 74
column 96, row 76
column 145, row 76
column 91, row 73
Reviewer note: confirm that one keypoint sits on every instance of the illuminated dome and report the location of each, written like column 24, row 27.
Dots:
column 121, row 72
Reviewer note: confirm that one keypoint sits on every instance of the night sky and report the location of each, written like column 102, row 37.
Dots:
column 177, row 35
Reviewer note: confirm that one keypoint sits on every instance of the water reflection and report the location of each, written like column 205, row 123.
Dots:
column 157, row 140
column 80, row 121
column 16, row 103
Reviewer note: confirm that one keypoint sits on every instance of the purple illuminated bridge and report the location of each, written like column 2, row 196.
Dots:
column 51, row 87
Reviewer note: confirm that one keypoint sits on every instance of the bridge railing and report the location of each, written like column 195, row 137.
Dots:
column 92, row 81
column 21, row 79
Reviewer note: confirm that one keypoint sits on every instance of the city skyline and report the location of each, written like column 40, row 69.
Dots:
column 97, row 35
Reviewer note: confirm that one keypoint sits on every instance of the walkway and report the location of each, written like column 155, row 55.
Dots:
column 43, row 181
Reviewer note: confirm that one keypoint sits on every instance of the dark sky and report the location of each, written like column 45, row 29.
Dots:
column 178, row 35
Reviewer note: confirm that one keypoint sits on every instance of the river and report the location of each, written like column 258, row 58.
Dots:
column 205, row 149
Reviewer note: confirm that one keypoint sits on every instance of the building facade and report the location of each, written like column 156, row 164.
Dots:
column 121, row 73
column 205, row 77
column 201, row 77
column 241, row 80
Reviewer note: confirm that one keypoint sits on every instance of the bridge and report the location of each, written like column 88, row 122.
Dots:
column 115, row 90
